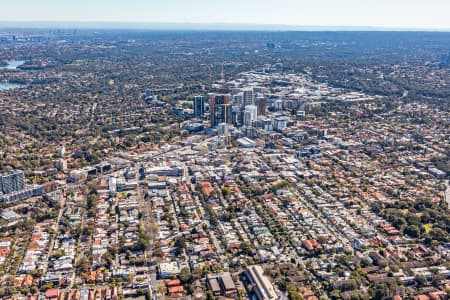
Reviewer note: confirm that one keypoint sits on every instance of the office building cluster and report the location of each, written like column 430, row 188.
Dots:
column 239, row 108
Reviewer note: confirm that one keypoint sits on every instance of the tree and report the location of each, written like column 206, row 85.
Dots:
column 378, row 294
column 226, row 191
column 91, row 201
column 143, row 238
column 412, row 231
column 25, row 290
column 157, row 251
column 58, row 253
column 185, row 275
column 83, row 265
column 34, row 290
column 47, row 286
column 438, row 234
column 180, row 243
column 420, row 280
column 162, row 288
column 335, row 294
column 293, row 293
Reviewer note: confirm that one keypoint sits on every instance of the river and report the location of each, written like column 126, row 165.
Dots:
column 10, row 86
column 13, row 65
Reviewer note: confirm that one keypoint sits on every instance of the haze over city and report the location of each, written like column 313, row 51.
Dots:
column 406, row 14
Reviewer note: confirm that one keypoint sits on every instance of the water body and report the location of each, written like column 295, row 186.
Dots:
column 13, row 65
column 10, row 86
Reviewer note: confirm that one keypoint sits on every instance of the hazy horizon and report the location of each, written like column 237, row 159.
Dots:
column 179, row 26
column 399, row 14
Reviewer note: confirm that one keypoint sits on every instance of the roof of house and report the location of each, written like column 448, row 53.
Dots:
column 214, row 285
column 174, row 282
column 228, row 282
column 176, row 289
column 52, row 293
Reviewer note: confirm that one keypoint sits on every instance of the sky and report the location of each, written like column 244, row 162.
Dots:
column 425, row 14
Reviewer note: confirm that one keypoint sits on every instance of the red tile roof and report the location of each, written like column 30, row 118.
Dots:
column 52, row 293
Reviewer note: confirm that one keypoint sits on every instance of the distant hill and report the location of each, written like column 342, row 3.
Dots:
column 198, row 26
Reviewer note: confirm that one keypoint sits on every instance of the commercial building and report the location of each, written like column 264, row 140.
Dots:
column 222, row 285
column 236, row 115
column 220, row 110
column 238, row 99
column 112, row 185
column 262, row 106
column 248, row 97
column 246, row 142
column 250, row 115
column 149, row 95
column 61, row 151
column 164, row 171
column 199, row 106
column 12, row 182
column 26, row 192
column 278, row 104
column 168, row 269
column 222, row 129
column 280, row 123
column 61, row 165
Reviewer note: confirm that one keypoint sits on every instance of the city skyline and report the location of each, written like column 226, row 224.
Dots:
column 288, row 13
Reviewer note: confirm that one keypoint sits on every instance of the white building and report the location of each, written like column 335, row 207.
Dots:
column 280, row 123
column 112, row 185
column 222, row 130
column 246, row 142
column 250, row 115
column 278, row 104
column 168, row 269
column 61, row 165
column 61, row 151
column 263, row 287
